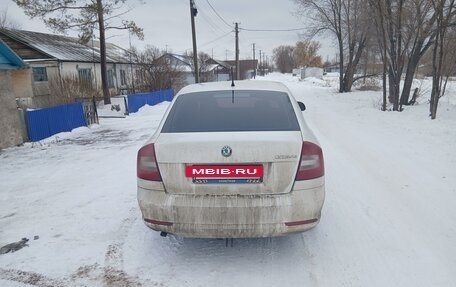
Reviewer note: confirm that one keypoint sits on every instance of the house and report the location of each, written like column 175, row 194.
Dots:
column 54, row 59
column 247, row 68
column 185, row 64
column 212, row 70
column 221, row 70
column 15, row 79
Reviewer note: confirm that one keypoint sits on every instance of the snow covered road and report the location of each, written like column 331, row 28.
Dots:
column 388, row 218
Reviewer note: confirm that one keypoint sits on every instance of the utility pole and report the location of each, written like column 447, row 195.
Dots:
column 131, row 64
column 264, row 62
column 259, row 62
column 254, row 64
column 238, row 71
column 193, row 12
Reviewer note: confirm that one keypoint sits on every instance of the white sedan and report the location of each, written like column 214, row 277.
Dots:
column 231, row 161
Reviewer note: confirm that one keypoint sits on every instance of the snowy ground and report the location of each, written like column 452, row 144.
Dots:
column 388, row 220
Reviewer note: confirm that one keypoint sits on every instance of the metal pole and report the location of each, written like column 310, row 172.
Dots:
column 259, row 63
column 131, row 64
column 254, row 64
column 193, row 13
column 238, row 70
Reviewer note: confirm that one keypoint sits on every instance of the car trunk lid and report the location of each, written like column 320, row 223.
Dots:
column 233, row 163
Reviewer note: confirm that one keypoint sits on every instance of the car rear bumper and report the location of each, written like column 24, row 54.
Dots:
column 209, row 216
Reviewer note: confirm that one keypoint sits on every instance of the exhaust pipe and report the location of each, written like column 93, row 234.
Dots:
column 229, row 240
column 163, row 234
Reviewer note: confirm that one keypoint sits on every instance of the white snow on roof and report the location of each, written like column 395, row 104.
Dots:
column 67, row 48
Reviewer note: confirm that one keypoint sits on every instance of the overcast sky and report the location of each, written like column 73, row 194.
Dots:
column 166, row 25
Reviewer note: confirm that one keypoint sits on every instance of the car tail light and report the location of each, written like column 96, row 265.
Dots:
column 147, row 167
column 311, row 164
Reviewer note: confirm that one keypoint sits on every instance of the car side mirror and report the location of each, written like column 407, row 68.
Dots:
column 302, row 106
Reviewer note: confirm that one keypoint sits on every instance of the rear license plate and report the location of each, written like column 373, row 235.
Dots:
column 227, row 181
column 229, row 174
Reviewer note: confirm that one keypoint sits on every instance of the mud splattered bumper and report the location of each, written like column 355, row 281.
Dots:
column 210, row 216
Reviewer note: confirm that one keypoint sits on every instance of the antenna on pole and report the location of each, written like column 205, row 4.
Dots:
column 193, row 12
column 238, row 71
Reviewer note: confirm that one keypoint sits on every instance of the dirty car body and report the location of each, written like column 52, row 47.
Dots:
column 230, row 162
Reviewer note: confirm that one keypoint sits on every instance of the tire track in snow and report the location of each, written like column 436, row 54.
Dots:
column 30, row 278
column 110, row 274
column 113, row 270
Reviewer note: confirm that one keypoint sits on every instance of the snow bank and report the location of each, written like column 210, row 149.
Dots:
column 151, row 110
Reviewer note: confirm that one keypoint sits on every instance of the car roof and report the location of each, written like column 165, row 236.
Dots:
column 238, row 85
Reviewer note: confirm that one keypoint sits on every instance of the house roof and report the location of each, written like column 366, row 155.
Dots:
column 221, row 63
column 8, row 59
column 187, row 62
column 66, row 48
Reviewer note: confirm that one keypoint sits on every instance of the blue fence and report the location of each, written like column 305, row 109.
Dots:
column 136, row 101
column 46, row 122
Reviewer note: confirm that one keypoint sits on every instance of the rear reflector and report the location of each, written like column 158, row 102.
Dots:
column 311, row 164
column 302, row 222
column 158, row 222
column 147, row 167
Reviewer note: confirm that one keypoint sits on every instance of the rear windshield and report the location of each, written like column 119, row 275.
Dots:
column 230, row 111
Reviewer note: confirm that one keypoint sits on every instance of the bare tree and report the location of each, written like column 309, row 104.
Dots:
column 67, row 88
column 420, row 23
column 7, row 22
column 357, row 26
column 155, row 71
column 283, row 57
column 391, row 14
column 203, row 66
column 348, row 21
column 84, row 16
column 325, row 16
column 379, row 20
column 444, row 10
column 305, row 54
column 409, row 29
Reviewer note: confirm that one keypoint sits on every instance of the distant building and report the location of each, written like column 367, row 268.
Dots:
column 185, row 65
column 247, row 68
column 213, row 70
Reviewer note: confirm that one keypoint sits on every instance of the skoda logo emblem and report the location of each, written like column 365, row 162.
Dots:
column 226, row 151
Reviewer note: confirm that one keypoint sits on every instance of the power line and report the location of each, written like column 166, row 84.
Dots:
column 216, row 28
column 216, row 13
column 219, row 38
column 272, row 30
column 207, row 43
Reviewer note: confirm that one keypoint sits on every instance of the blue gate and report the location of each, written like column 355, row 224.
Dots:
column 46, row 122
column 136, row 101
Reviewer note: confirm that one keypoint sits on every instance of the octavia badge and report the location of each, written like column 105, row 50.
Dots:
column 226, row 151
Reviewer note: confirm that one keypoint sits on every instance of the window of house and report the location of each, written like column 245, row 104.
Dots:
column 39, row 74
column 110, row 75
column 85, row 74
column 123, row 77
